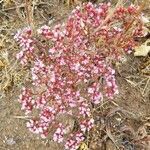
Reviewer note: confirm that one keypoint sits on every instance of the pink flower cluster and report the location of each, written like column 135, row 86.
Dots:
column 26, row 100
column 74, row 70
column 24, row 38
column 74, row 141
column 87, row 125
column 59, row 133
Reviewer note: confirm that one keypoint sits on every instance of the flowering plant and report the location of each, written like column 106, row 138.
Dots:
column 72, row 71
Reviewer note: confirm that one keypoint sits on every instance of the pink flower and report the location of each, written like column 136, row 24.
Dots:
column 87, row 125
column 59, row 133
column 74, row 141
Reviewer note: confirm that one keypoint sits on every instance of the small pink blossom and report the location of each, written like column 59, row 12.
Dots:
column 74, row 141
column 59, row 133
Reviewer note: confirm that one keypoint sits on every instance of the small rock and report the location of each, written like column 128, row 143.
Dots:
column 10, row 141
